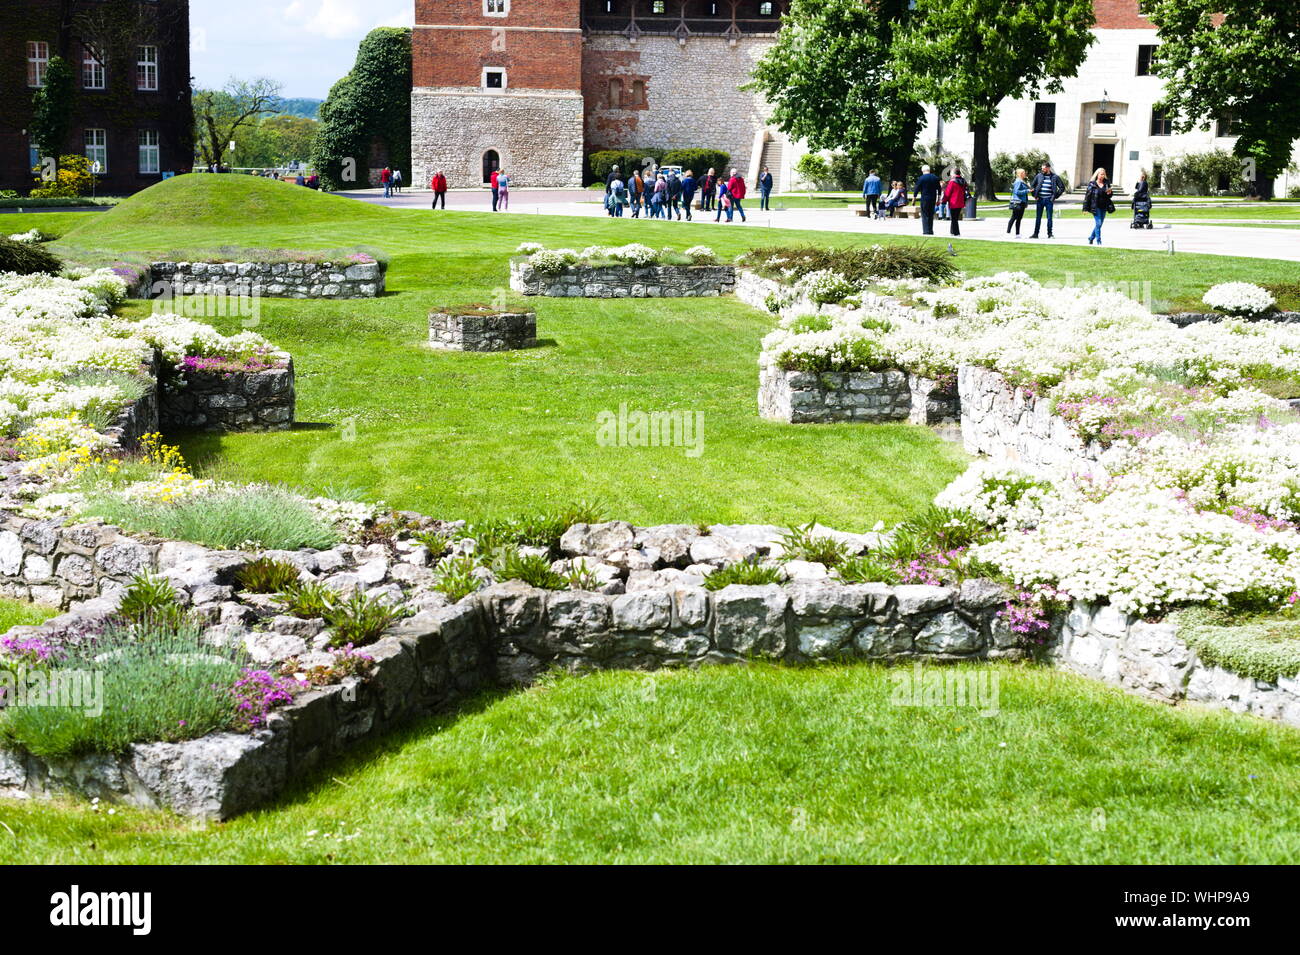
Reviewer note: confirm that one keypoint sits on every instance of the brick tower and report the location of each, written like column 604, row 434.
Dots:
column 497, row 86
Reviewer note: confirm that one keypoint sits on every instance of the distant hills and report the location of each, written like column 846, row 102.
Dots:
column 301, row 106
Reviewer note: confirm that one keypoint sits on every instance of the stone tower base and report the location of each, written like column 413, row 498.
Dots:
column 536, row 133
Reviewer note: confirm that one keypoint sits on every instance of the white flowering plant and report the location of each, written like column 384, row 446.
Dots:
column 1239, row 298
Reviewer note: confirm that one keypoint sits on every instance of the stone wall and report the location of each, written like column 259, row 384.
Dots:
column 334, row 280
column 231, row 401
column 137, row 418
column 1183, row 319
column 692, row 95
column 753, row 289
column 866, row 396
column 482, row 331
column 1150, row 659
column 1008, row 424
column 625, row 281
column 536, row 134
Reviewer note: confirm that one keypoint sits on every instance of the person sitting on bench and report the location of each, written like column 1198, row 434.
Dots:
column 893, row 201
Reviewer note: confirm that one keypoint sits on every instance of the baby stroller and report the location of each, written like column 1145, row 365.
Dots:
column 1141, row 212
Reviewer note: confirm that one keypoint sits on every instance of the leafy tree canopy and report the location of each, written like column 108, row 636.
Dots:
column 368, row 111
column 1238, row 58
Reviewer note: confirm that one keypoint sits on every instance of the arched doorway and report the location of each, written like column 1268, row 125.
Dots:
column 491, row 163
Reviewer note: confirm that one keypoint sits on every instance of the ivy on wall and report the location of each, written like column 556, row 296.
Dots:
column 367, row 114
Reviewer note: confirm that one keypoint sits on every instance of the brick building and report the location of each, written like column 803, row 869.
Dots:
column 535, row 86
column 130, row 61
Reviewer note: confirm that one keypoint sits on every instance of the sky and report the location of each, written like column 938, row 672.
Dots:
column 305, row 44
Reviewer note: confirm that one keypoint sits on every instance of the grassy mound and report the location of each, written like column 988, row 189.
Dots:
column 222, row 202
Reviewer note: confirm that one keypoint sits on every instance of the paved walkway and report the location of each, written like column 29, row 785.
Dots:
column 1211, row 239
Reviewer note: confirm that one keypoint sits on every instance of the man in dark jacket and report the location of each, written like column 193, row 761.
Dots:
column 688, row 192
column 1046, row 189
column 708, row 185
column 674, row 195
column 926, row 195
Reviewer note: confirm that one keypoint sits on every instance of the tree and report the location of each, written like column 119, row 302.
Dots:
column 967, row 56
column 1238, row 59
column 368, row 112
column 52, row 108
column 220, row 114
column 831, row 81
column 275, row 141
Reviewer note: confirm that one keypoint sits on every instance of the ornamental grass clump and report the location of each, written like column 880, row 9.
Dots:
column 141, row 682
column 748, row 571
column 532, row 569
column 360, row 620
column 803, row 543
column 307, row 599
column 260, row 516
column 267, row 576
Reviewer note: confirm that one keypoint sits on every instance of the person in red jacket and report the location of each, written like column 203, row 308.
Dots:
column 439, row 186
column 954, row 193
column 386, row 180
column 496, row 193
column 736, row 189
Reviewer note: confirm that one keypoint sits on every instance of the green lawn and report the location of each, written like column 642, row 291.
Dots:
column 756, row 764
column 486, row 435
column 14, row 613
column 748, row 763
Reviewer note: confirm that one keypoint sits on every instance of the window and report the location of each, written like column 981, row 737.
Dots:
column 638, row 92
column 146, row 68
column 92, row 71
column 494, row 79
column 1044, row 117
column 149, row 160
column 616, row 94
column 33, row 154
column 38, row 59
column 1146, row 59
column 1106, row 119
column 1225, row 126
column 1161, row 125
column 97, row 148
column 659, row 6
column 496, row 8
column 765, row 9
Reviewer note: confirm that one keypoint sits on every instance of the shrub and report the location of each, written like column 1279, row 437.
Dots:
column 802, row 544
column 603, row 161
column 868, row 569
column 307, row 599
column 27, row 258
column 743, row 572
column 1202, row 173
column 814, row 171
column 533, row 569
column 360, row 620
column 161, row 682
column 261, row 516
column 72, row 179
column 699, row 161
column 1004, row 166
column 267, row 576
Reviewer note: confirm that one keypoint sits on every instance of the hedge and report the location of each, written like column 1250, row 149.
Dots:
column 603, row 161
column 698, row 161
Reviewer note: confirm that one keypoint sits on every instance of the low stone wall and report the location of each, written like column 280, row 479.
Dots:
column 866, row 396
column 1150, row 659
column 625, row 281
column 136, row 419
column 1183, row 319
column 485, row 331
column 337, row 280
column 231, row 401
column 1007, row 424
column 507, row 635
column 753, row 289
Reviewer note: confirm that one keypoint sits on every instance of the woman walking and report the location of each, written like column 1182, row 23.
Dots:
column 954, row 194
column 1098, row 202
column 1019, row 200
column 503, row 191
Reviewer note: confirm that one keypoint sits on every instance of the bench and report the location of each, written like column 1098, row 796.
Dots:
column 902, row 212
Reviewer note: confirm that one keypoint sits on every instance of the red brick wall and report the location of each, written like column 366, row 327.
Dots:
column 548, row 58
column 1120, row 15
